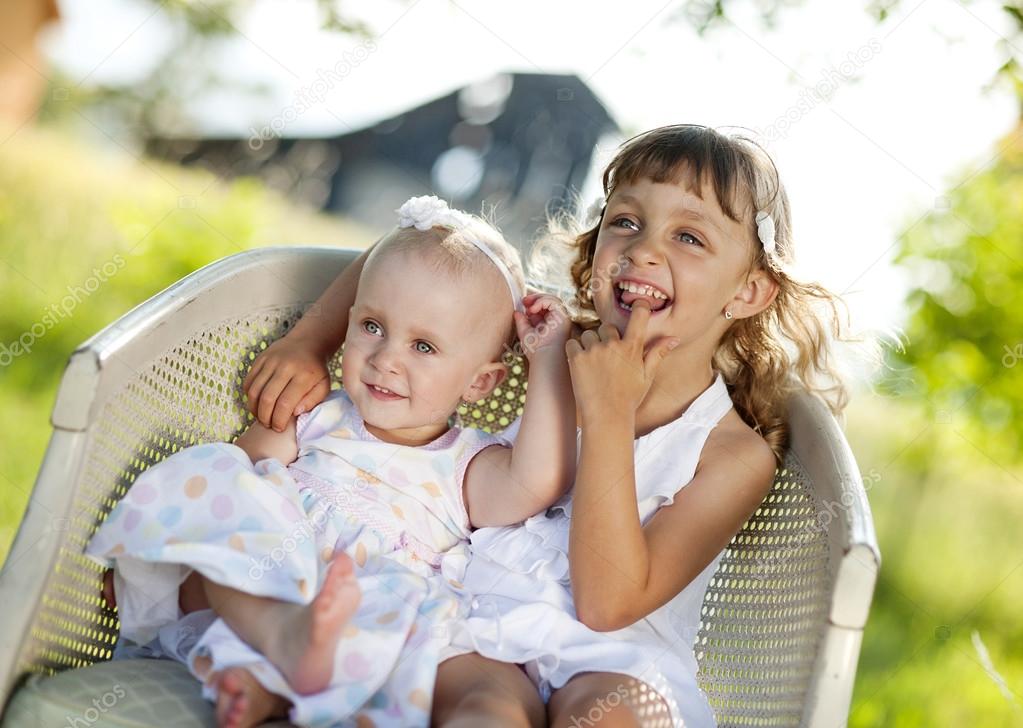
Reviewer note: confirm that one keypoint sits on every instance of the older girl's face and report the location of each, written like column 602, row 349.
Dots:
column 671, row 245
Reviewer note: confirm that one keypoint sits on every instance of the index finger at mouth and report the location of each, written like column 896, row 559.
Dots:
column 635, row 329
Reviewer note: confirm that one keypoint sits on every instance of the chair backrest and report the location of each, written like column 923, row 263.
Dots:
column 782, row 617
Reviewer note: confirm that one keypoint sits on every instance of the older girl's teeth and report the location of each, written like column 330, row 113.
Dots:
column 642, row 290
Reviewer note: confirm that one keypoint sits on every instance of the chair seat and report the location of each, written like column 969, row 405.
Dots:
column 122, row 693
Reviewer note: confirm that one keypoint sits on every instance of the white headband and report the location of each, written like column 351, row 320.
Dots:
column 429, row 211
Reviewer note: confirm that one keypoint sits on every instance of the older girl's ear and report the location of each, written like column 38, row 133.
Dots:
column 757, row 292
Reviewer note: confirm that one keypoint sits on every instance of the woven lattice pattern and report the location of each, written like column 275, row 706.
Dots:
column 763, row 610
column 190, row 395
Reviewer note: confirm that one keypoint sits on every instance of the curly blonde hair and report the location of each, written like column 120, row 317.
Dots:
column 764, row 357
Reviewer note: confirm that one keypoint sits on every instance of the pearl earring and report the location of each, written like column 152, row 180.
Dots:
column 728, row 315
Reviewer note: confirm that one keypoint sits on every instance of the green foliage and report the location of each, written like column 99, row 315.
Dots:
column 948, row 525
column 186, row 69
column 85, row 235
column 964, row 350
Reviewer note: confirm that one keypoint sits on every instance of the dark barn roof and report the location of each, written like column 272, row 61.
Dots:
column 517, row 144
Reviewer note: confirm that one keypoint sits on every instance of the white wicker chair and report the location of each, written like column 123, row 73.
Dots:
column 782, row 619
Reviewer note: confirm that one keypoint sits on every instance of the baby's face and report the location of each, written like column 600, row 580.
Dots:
column 417, row 341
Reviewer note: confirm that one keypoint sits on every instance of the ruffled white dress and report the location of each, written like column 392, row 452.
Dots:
column 517, row 579
column 271, row 530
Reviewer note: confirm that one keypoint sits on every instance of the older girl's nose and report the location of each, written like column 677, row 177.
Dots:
column 644, row 250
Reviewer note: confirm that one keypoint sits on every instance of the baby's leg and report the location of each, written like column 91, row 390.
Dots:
column 243, row 702
column 608, row 700
column 298, row 639
column 472, row 691
column 191, row 594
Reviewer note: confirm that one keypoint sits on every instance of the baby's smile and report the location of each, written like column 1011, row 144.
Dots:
column 383, row 393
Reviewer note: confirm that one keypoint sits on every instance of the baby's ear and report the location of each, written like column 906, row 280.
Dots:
column 488, row 378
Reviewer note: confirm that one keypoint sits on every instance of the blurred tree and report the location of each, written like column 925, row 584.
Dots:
column 155, row 104
column 963, row 358
column 709, row 15
column 964, row 331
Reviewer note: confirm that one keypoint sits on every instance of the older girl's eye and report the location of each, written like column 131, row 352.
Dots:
column 690, row 239
column 372, row 328
column 623, row 222
column 424, row 348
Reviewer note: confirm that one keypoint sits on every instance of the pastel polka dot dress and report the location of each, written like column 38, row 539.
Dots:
column 270, row 530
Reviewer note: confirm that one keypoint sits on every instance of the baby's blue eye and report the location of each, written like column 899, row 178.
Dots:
column 617, row 222
column 424, row 348
column 372, row 328
column 695, row 240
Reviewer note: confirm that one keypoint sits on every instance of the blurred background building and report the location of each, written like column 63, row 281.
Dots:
column 514, row 145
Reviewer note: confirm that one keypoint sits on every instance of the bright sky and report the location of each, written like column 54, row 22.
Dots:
column 902, row 118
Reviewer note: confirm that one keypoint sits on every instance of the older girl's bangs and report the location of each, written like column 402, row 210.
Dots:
column 680, row 154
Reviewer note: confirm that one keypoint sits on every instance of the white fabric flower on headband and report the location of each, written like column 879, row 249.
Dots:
column 765, row 231
column 430, row 211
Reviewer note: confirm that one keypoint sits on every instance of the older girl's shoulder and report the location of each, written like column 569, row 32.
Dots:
column 735, row 445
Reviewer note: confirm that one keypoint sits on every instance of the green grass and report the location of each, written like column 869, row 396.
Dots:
column 947, row 520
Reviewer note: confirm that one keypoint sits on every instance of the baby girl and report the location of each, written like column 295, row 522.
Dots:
column 300, row 569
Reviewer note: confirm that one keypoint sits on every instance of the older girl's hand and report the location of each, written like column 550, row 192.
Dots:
column 289, row 378
column 611, row 375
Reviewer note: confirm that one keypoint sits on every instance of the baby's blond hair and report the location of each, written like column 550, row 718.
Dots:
column 451, row 251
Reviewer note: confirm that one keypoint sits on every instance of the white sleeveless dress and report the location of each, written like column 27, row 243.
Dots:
column 517, row 578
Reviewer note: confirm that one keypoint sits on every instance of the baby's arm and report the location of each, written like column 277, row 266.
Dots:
column 261, row 442
column 507, row 485
column 291, row 376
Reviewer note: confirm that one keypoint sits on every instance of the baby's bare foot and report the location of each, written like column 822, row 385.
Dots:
column 307, row 644
column 243, row 702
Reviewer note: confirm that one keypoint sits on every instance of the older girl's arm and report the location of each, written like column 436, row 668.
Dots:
column 622, row 571
column 291, row 375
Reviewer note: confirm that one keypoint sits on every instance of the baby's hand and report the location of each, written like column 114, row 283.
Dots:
column 287, row 379
column 545, row 324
